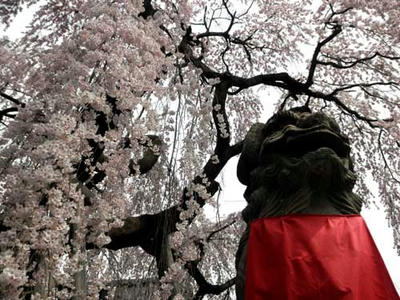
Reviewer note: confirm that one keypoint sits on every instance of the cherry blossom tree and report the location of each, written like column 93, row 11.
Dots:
column 117, row 117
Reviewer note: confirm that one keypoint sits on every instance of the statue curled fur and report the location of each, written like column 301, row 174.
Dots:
column 298, row 162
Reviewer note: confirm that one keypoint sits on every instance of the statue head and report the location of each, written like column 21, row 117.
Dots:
column 297, row 162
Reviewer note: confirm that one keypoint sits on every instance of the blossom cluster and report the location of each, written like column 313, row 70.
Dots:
column 92, row 81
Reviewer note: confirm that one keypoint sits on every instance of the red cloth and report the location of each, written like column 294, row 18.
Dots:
column 310, row 257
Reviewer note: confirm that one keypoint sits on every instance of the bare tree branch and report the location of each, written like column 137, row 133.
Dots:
column 12, row 99
column 384, row 157
column 204, row 286
column 365, row 85
column 337, row 29
column 343, row 64
column 8, row 112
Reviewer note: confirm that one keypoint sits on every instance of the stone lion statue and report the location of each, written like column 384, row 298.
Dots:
column 298, row 162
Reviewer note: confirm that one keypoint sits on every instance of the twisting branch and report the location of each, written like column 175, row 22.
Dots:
column 332, row 98
column 365, row 85
column 192, row 267
column 335, row 13
column 281, row 80
column 343, row 64
column 206, row 287
column 12, row 99
column 245, row 43
column 8, row 112
column 337, row 29
column 384, row 157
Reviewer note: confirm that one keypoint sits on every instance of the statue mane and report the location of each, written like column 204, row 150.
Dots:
column 298, row 162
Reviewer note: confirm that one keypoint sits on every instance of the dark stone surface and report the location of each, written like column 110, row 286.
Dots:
column 298, row 162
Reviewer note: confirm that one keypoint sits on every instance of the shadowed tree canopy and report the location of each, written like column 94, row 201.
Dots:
column 118, row 116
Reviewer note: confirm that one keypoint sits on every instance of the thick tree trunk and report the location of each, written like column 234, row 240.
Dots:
column 81, row 284
column 80, row 277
